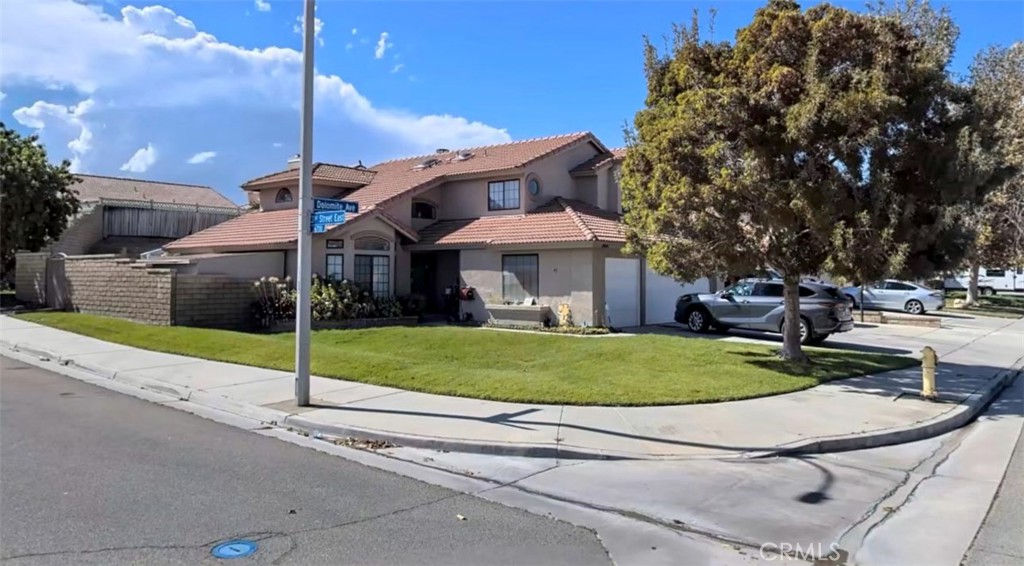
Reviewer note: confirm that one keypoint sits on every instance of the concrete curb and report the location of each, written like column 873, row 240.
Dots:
column 311, row 427
column 955, row 418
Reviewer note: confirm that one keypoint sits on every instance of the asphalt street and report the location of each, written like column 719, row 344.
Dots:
column 89, row 476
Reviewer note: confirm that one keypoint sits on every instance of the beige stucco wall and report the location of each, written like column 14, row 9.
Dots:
column 468, row 199
column 553, row 174
column 249, row 266
column 586, row 189
column 268, row 196
column 565, row 276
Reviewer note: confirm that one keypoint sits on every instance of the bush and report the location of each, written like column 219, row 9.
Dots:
column 329, row 300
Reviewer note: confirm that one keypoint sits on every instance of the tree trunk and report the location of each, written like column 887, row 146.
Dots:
column 791, row 347
column 972, row 285
column 860, row 303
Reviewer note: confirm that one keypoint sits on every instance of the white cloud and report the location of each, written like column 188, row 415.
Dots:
column 3, row 95
column 141, row 161
column 262, row 5
column 277, row 144
column 201, row 157
column 318, row 26
column 40, row 113
column 397, row 67
column 349, row 46
column 382, row 45
column 150, row 61
column 354, row 31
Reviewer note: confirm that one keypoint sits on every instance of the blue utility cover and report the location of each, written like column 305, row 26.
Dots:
column 234, row 549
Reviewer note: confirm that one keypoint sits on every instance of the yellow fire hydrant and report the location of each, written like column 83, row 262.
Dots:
column 929, row 361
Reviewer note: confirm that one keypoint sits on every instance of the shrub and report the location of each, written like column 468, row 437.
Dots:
column 329, row 300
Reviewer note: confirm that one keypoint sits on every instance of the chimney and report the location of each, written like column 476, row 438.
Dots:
column 293, row 163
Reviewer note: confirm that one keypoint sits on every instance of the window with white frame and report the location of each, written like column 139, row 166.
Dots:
column 503, row 195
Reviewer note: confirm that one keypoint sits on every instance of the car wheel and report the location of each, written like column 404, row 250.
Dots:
column 914, row 307
column 698, row 320
column 988, row 291
column 853, row 301
column 806, row 331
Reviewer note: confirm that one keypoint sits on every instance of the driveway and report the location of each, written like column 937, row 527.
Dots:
column 1002, row 338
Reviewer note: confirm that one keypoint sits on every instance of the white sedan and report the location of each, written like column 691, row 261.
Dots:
column 897, row 295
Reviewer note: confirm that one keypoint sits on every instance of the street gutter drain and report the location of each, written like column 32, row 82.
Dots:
column 234, row 549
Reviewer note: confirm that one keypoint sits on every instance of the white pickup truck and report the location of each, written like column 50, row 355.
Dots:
column 990, row 280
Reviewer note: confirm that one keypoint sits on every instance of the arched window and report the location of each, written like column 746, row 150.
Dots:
column 425, row 210
column 373, row 243
column 284, row 195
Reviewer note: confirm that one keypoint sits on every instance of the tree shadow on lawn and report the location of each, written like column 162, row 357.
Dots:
column 766, row 338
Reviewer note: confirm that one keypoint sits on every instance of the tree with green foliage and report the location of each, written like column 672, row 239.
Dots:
column 36, row 198
column 992, row 149
column 817, row 140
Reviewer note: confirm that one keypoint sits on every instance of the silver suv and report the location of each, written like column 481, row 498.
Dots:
column 757, row 304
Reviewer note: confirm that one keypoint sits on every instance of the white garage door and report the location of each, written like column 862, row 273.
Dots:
column 661, row 295
column 622, row 291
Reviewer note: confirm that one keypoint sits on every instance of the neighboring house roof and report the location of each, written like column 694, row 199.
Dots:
column 561, row 220
column 92, row 188
column 273, row 229
column 598, row 161
column 322, row 172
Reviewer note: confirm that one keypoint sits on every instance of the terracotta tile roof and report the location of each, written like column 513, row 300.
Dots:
column 323, row 172
column 94, row 187
column 598, row 161
column 400, row 176
column 561, row 220
column 272, row 229
column 275, row 229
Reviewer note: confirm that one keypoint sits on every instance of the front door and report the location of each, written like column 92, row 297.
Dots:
column 423, row 270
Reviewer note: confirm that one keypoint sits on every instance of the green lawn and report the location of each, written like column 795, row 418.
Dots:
column 1003, row 306
column 507, row 366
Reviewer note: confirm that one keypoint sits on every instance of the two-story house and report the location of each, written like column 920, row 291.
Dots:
column 529, row 226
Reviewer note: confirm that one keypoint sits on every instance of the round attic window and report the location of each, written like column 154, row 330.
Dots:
column 534, row 187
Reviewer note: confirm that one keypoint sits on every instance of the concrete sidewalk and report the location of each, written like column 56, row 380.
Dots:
column 849, row 414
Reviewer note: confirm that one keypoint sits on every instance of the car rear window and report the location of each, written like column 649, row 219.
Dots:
column 834, row 293
column 807, row 292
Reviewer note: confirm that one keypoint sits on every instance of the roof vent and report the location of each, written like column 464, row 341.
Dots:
column 441, row 150
column 360, row 165
column 427, row 163
column 293, row 162
column 464, row 155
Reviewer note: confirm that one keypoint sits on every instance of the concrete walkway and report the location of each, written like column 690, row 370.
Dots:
column 977, row 360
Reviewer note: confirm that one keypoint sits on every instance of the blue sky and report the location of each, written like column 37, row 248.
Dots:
column 207, row 92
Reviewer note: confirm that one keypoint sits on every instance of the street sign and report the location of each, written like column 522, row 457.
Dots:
column 319, row 221
column 325, row 204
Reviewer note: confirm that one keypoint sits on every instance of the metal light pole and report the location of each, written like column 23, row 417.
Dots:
column 304, row 270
